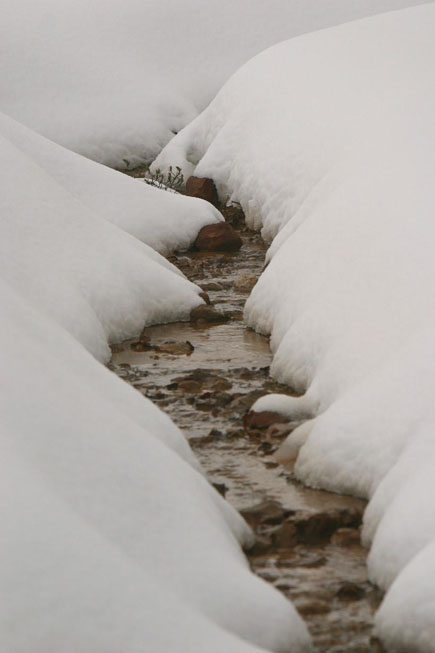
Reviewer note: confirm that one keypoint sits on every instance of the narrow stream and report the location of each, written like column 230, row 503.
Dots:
column 206, row 377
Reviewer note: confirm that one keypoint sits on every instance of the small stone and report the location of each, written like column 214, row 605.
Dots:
column 176, row 348
column 205, row 297
column 189, row 387
column 245, row 282
column 261, row 546
column 218, row 237
column 286, row 536
column 140, row 346
column 212, row 286
column 346, row 537
column 221, row 488
column 280, row 431
column 207, row 314
column 351, row 592
column 313, row 606
column 202, row 187
column 262, row 420
column 267, row 512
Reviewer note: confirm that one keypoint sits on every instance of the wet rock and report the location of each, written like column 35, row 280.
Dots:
column 317, row 527
column 218, row 237
column 280, row 431
column 351, row 592
column 376, row 646
column 204, row 313
column 235, row 315
column 245, row 282
column 202, row 187
column 212, row 286
column 221, row 488
column 140, row 346
column 189, row 387
column 219, row 384
column 267, row 512
column 243, row 401
column 286, row 536
column 175, row 348
column 261, row 546
column 262, row 420
column 346, row 537
column 313, row 606
column 205, row 297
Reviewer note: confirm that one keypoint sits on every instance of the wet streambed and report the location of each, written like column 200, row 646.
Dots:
column 206, row 377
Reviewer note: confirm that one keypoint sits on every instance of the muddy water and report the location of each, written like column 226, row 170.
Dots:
column 206, row 377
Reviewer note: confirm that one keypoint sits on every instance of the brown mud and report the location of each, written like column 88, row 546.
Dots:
column 206, row 377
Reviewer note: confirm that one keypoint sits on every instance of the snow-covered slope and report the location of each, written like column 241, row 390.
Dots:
column 111, row 539
column 61, row 249
column 114, row 79
column 327, row 141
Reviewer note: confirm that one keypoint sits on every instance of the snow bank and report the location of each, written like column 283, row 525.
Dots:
column 61, row 250
column 110, row 539
column 115, row 80
column 327, row 141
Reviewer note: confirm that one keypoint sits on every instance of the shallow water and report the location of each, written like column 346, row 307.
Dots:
column 207, row 392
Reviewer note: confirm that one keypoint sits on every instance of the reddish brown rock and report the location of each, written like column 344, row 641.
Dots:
column 206, row 313
column 262, row 420
column 267, row 512
column 218, row 237
column 205, row 297
column 202, row 187
column 346, row 537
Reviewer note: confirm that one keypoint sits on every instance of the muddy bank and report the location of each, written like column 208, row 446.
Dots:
column 206, row 377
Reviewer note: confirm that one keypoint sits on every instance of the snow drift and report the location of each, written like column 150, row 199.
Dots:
column 327, row 141
column 111, row 537
column 114, row 80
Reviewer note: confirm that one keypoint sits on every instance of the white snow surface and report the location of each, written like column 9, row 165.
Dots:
column 327, row 141
column 65, row 247
column 112, row 539
column 114, row 79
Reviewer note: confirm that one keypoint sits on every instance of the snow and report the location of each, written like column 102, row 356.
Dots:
column 327, row 143
column 111, row 536
column 115, row 80
column 105, row 521
column 61, row 249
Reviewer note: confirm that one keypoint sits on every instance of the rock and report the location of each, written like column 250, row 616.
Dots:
column 202, row 187
column 218, row 237
column 346, row 537
column 286, row 536
column 351, row 592
column 376, row 646
column 219, row 384
column 245, row 282
column 313, row 606
column 206, row 313
column 262, row 420
column 140, row 346
column 221, row 488
column 189, row 387
column 176, row 348
column 280, row 431
column 261, row 546
column 267, row 512
column 205, row 297
column 213, row 285
column 318, row 527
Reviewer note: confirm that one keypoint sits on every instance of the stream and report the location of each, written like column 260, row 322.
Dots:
column 206, row 377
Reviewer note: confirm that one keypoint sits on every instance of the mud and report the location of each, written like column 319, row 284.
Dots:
column 206, row 377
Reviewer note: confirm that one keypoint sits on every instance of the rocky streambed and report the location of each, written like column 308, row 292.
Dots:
column 206, row 375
